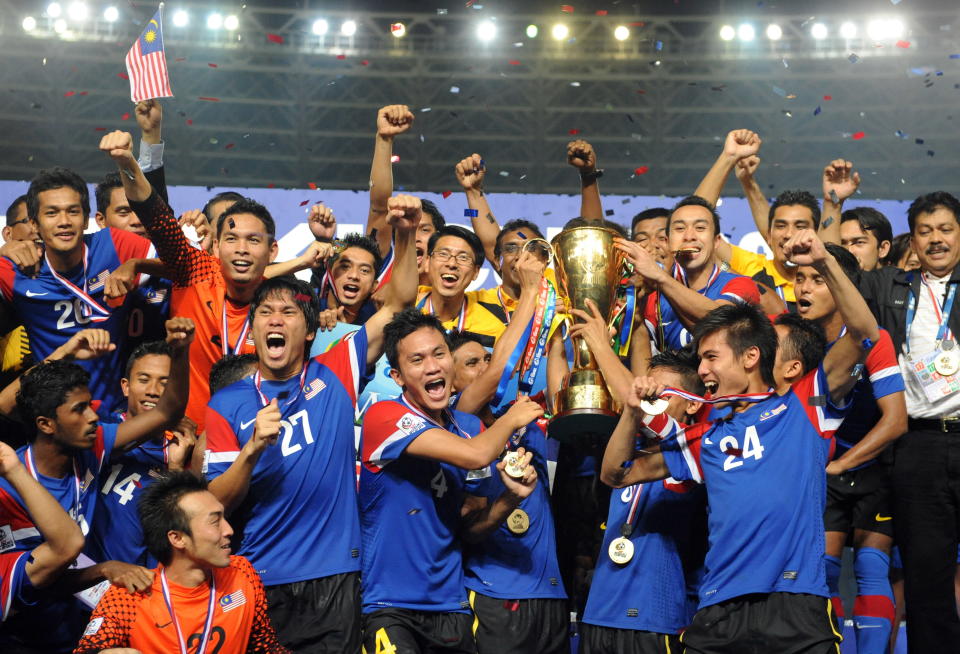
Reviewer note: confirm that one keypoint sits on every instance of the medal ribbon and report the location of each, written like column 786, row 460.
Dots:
column 32, row 469
column 91, row 308
column 461, row 320
column 634, row 503
column 539, row 335
column 943, row 314
column 453, row 421
column 681, row 276
column 627, row 311
column 207, row 624
column 225, row 333
column 720, row 399
column 258, row 379
column 503, row 304
column 386, row 269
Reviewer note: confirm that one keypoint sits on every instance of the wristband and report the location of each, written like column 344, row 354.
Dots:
column 471, row 213
column 324, row 240
column 595, row 174
column 866, row 344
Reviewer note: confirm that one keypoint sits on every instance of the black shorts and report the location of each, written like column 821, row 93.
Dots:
column 318, row 616
column 520, row 626
column 405, row 631
column 610, row 640
column 860, row 499
column 785, row 623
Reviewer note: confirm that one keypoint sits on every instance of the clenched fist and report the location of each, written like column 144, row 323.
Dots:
column 404, row 212
column 180, row 332
column 394, row 119
column 470, row 173
column 323, row 225
column 581, row 155
column 741, row 143
column 119, row 146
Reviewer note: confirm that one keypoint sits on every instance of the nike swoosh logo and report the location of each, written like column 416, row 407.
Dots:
column 32, row 294
column 161, row 626
column 707, row 441
column 244, row 425
column 880, row 518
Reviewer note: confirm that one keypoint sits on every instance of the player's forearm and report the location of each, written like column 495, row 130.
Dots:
column 640, row 351
column 173, row 247
column 830, row 221
column 856, row 315
column 557, row 366
column 231, row 487
column 711, row 186
column 591, row 206
column 135, row 185
column 759, row 208
column 618, row 377
column 488, row 445
column 890, row 427
column 176, row 393
column 401, row 290
column 61, row 534
column 484, row 224
column 381, row 186
column 691, row 307
column 281, row 268
column 619, row 453
column 482, row 523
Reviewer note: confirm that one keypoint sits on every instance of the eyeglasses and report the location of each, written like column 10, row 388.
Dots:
column 462, row 258
column 511, row 248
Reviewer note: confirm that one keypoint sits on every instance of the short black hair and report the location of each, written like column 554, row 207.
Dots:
column 157, row 348
column 251, row 206
column 648, row 214
column 697, row 201
column 580, row 221
column 848, row 263
column 12, row 209
column 302, row 293
column 402, row 325
column 460, row 232
column 458, row 339
column 870, row 220
column 745, row 326
column 931, row 202
column 514, row 225
column 791, row 198
column 899, row 246
column 229, row 370
column 160, row 511
column 219, row 197
column 104, row 190
column 806, row 341
column 45, row 387
column 682, row 362
column 54, row 178
column 355, row 240
column 431, row 210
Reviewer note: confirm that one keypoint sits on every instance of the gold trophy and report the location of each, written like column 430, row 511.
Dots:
column 588, row 266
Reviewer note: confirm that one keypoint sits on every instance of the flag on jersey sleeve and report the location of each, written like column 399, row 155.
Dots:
column 147, row 63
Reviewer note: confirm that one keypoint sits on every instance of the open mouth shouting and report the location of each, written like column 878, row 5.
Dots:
column 711, row 386
column 242, row 266
column 449, row 280
column 349, row 291
column 803, row 305
column 436, row 389
column 276, row 344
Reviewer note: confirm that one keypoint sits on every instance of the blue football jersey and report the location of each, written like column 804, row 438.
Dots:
column 766, row 488
column 147, row 312
column 12, row 578
column 52, row 314
column 410, row 514
column 518, row 566
column 299, row 519
column 650, row 591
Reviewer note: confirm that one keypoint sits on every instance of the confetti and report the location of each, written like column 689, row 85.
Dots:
column 901, row 134
column 209, row 99
column 305, row 203
column 123, row 76
column 395, row 158
column 600, row 12
column 567, row 9
column 125, row 116
column 853, row 58
column 312, row 186
column 828, row 98
column 574, row 83
column 364, row 63
column 69, row 94
column 213, row 66
column 99, row 129
column 274, row 38
column 816, row 112
column 609, row 212
column 779, row 91
column 454, row 89
column 229, row 146
column 425, row 110
column 903, row 44
column 955, row 56
column 341, row 56
column 514, row 62
column 785, row 64
column 214, row 141
column 929, row 153
column 642, row 170
column 857, row 136
column 84, row 92
column 918, row 141
column 836, row 200
column 504, row 173
column 573, row 132
column 271, row 185
column 189, row 121
column 441, row 12
column 446, row 194
column 658, row 45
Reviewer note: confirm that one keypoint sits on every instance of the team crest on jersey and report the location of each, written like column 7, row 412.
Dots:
column 96, row 283
column 410, row 423
column 232, row 601
column 772, row 413
column 7, row 541
column 313, row 388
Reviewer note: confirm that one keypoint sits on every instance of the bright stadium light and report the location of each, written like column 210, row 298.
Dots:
column 214, row 21
column 54, row 10
column 727, row 33
column 181, row 18
column 774, row 32
column 560, row 31
column 532, row 31
column 486, row 31
column 621, row 33
column 231, row 22
column 848, row 30
column 29, row 24
column 895, row 28
column 348, row 28
column 746, row 32
column 818, row 31
column 882, row 29
column 78, row 11
column 398, row 30
column 320, row 27
column 111, row 14
column 59, row 26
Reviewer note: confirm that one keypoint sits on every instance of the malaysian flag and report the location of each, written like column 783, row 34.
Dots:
column 147, row 64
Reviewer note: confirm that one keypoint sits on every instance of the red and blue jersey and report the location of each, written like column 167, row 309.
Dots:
column 13, row 578
column 147, row 312
column 299, row 519
column 764, row 473
column 15, row 524
column 655, row 590
column 518, row 566
column 52, row 314
column 410, row 513
column 659, row 315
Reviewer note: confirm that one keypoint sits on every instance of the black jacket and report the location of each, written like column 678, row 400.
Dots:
column 887, row 292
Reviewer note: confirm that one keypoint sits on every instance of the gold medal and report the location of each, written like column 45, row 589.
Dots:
column 620, row 550
column 654, row 407
column 518, row 522
column 512, row 465
column 947, row 362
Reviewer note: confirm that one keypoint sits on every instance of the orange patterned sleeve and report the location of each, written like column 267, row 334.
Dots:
column 111, row 622
column 263, row 638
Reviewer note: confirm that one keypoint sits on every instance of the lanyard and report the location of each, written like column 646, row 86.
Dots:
column 225, row 333
column 680, row 275
column 943, row 314
column 453, row 421
column 91, row 308
column 461, row 320
column 207, row 624
column 627, row 527
column 32, row 469
column 720, row 399
column 258, row 379
column 506, row 312
column 537, row 345
column 386, row 269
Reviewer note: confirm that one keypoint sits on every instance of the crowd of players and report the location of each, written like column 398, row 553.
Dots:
column 216, row 456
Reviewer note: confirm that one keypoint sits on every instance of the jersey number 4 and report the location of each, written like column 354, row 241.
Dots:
column 125, row 487
column 752, row 449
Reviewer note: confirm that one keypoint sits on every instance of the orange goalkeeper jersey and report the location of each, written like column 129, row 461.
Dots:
column 141, row 621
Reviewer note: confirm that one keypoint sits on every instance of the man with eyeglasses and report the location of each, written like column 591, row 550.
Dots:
column 456, row 255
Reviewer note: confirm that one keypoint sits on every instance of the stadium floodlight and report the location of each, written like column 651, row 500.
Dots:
column 398, row 30
column 560, row 31
column 746, row 32
column 181, row 18
column 532, row 31
column 895, row 28
column 78, row 11
column 486, row 31
column 60, row 26
column 111, row 14
column 215, row 21
column 621, row 33
column 848, row 30
column 231, row 22
column 774, row 32
column 348, row 28
column 881, row 29
column 29, row 24
column 727, row 33
column 819, row 31
column 320, row 27
column 54, row 10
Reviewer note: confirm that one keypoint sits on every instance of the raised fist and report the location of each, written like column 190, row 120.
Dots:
column 322, row 223
column 840, row 180
column 394, row 119
column 470, row 173
column 180, row 332
column 741, row 143
column 149, row 116
column 580, row 155
column 404, row 212
column 747, row 167
column 118, row 145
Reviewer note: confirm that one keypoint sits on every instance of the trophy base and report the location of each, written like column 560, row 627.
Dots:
column 584, row 406
column 582, row 424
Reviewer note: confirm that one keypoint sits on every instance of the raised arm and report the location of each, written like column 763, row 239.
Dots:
column 840, row 181
column 593, row 328
column 470, row 173
column 746, row 172
column 391, row 120
column 557, row 366
column 582, row 156
column 739, row 143
column 149, row 115
column 622, row 463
